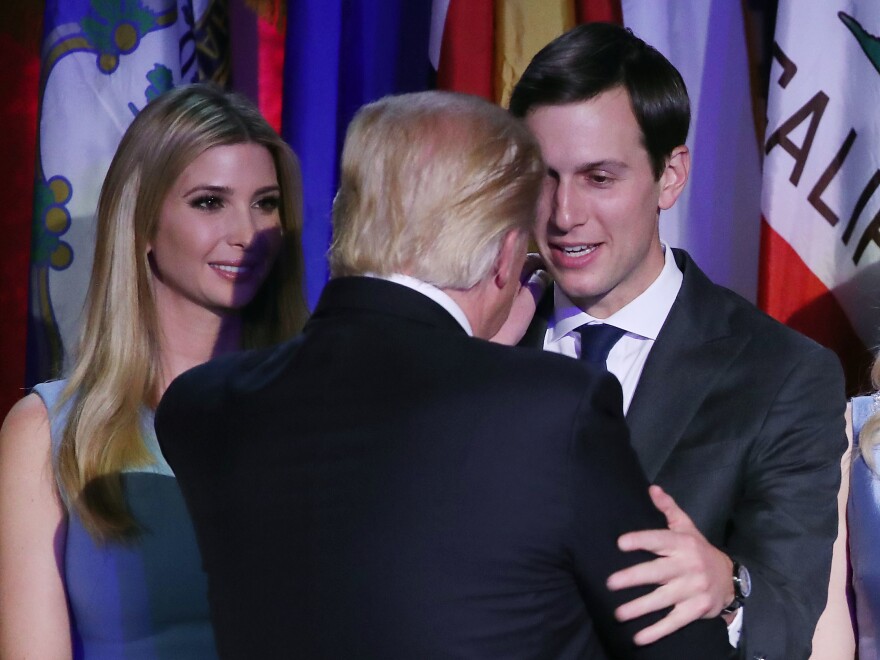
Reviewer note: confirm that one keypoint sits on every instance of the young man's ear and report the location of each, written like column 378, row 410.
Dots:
column 674, row 176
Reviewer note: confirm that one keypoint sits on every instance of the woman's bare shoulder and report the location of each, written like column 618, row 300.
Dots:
column 25, row 434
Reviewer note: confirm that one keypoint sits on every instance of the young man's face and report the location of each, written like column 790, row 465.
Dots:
column 597, row 227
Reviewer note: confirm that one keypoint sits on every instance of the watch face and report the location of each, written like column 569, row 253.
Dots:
column 745, row 581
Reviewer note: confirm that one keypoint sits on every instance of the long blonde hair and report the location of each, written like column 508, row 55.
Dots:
column 116, row 371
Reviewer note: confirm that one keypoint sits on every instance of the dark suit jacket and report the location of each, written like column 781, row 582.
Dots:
column 741, row 420
column 386, row 487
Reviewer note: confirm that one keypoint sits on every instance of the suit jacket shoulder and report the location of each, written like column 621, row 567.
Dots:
column 748, row 441
column 717, row 309
column 203, row 405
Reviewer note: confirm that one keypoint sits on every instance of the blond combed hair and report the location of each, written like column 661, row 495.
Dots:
column 430, row 183
column 116, row 370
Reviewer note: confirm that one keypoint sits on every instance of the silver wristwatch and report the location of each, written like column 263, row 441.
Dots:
column 742, row 587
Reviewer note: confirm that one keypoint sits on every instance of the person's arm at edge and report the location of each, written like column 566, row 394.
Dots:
column 834, row 638
column 34, row 621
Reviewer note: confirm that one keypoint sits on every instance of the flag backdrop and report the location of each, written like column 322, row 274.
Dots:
column 256, row 48
column 821, row 206
column 717, row 218
column 340, row 55
column 482, row 47
column 102, row 60
column 462, row 46
column 19, row 50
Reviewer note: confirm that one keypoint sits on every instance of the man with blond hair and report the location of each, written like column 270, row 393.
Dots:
column 382, row 487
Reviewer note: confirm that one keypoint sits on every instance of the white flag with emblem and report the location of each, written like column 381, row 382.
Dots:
column 821, row 203
column 102, row 61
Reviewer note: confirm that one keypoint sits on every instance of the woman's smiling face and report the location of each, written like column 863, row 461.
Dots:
column 219, row 230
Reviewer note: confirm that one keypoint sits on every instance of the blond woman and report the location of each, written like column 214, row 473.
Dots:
column 197, row 254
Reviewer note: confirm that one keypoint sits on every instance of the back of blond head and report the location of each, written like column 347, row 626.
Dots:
column 430, row 183
column 115, row 372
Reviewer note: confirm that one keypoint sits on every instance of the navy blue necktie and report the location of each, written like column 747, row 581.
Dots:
column 597, row 339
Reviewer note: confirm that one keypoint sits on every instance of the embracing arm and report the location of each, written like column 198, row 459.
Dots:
column 695, row 577
column 783, row 524
column 612, row 499
column 34, row 622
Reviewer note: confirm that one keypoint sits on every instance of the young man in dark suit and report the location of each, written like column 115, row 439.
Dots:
column 739, row 419
column 387, row 486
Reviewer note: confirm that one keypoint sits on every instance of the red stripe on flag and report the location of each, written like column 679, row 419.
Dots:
column 790, row 292
column 467, row 49
column 270, row 35
column 19, row 44
column 604, row 11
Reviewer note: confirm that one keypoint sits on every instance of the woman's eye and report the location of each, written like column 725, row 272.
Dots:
column 207, row 203
column 268, row 204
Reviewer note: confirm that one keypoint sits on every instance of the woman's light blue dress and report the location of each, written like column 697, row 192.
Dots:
column 147, row 598
column 863, row 520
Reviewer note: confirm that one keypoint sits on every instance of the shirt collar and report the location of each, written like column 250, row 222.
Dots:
column 437, row 295
column 643, row 316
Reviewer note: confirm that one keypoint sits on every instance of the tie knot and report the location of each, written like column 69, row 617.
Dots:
column 597, row 340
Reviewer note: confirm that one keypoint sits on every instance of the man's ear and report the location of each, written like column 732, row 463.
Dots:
column 674, row 176
column 509, row 256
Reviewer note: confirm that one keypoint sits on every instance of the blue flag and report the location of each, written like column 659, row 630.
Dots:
column 341, row 54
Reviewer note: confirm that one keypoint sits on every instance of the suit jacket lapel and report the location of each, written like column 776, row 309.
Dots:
column 694, row 348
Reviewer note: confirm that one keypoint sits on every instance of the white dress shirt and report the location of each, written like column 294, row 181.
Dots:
column 437, row 295
column 642, row 319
